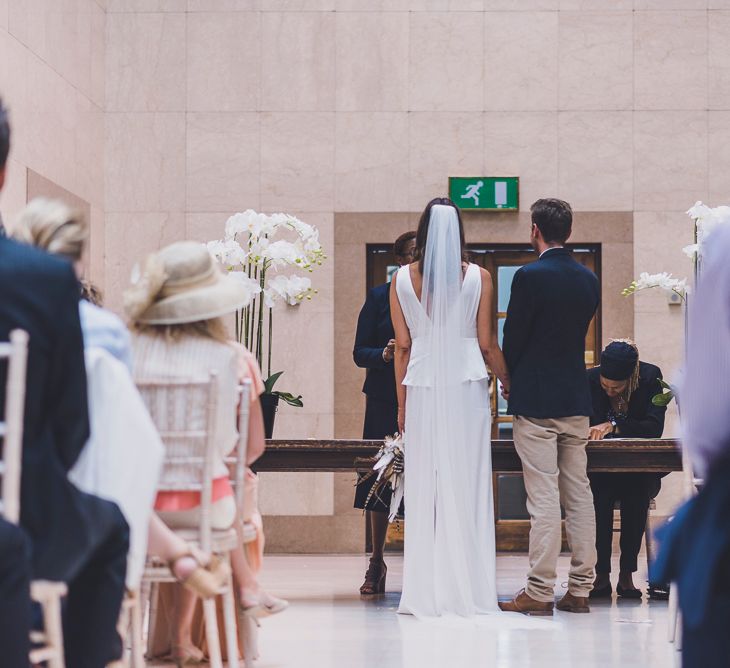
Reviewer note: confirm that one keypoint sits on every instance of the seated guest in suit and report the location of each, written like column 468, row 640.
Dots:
column 374, row 348
column 621, row 392
column 76, row 538
column 14, row 544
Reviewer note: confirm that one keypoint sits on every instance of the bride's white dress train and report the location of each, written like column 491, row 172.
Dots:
column 450, row 555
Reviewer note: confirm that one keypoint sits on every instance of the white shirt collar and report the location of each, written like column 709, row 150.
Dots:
column 547, row 250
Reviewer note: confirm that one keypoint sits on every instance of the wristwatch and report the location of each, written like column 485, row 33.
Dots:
column 614, row 424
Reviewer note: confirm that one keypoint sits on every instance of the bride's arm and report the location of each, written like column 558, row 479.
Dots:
column 402, row 351
column 487, row 333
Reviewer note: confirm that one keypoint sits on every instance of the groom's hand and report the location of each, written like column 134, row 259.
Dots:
column 599, row 431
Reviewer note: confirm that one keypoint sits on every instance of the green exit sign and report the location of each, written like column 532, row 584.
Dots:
column 485, row 193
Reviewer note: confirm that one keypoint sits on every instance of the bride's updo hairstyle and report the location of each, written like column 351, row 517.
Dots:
column 422, row 233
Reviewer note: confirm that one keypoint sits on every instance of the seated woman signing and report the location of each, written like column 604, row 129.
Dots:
column 621, row 391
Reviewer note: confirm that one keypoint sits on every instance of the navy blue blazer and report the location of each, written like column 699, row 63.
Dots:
column 552, row 303
column 40, row 294
column 374, row 330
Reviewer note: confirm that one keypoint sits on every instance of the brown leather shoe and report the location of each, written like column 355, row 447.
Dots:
column 570, row 603
column 527, row 606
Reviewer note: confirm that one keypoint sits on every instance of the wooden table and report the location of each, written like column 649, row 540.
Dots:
column 617, row 455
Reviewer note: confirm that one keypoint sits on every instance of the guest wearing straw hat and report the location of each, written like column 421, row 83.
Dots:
column 622, row 388
column 176, row 304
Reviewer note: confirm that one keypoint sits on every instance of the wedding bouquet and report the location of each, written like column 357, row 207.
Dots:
column 390, row 469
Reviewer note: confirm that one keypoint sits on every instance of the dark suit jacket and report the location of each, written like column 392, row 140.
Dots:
column 374, row 330
column 643, row 418
column 39, row 293
column 550, row 308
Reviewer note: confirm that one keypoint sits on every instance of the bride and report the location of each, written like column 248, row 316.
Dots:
column 442, row 310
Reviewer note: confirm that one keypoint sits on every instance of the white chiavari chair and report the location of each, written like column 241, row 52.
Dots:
column 48, row 644
column 247, row 626
column 173, row 406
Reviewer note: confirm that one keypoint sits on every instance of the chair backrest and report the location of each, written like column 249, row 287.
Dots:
column 238, row 461
column 184, row 412
column 11, row 430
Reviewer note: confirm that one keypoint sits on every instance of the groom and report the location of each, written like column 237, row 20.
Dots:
column 552, row 303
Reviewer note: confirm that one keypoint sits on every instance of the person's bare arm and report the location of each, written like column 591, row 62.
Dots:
column 487, row 333
column 402, row 351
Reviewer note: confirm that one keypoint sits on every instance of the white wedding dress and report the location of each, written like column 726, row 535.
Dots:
column 450, row 557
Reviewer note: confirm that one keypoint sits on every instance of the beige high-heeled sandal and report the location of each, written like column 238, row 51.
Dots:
column 259, row 608
column 206, row 580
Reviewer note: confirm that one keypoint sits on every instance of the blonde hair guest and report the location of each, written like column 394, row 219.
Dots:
column 55, row 227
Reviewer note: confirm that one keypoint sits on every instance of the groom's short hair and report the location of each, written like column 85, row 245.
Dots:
column 554, row 219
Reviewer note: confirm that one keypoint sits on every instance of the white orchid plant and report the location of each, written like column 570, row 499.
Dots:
column 261, row 250
column 706, row 219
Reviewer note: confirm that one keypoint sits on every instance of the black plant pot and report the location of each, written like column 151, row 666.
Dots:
column 269, row 405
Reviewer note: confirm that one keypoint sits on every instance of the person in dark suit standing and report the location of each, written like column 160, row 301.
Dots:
column 552, row 303
column 622, row 388
column 374, row 349
column 75, row 537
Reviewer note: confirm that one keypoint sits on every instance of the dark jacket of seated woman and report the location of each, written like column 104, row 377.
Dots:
column 622, row 389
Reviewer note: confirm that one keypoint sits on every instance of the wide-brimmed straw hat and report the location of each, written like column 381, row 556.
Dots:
column 181, row 284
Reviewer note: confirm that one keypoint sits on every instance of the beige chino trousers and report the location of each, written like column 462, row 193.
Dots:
column 554, row 465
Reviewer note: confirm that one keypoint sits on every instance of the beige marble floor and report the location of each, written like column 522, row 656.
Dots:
column 328, row 626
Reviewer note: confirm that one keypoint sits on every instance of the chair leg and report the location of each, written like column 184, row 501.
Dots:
column 229, row 618
column 249, row 629
column 673, row 620
column 211, row 633
column 152, row 623
column 649, row 545
column 54, row 631
column 137, row 649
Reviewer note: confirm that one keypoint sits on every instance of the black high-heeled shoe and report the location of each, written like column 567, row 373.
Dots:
column 374, row 579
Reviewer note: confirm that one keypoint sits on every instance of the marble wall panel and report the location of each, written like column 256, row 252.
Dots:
column 223, row 61
column 521, row 61
column 670, row 159
column 372, row 61
column 719, row 158
column 297, row 161
column 371, row 161
column 145, row 162
column 146, row 62
column 223, row 161
column 719, row 59
column 596, row 164
column 298, row 61
column 446, row 71
column 666, row 5
column 139, row 6
column 292, row 494
column 596, row 60
column 670, row 60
